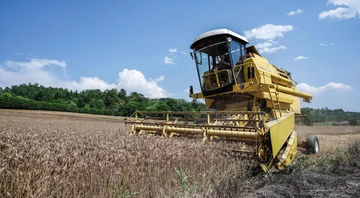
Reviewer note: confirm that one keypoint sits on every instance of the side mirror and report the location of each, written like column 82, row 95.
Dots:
column 191, row 91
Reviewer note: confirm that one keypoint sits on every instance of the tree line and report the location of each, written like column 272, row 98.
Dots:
column 93, row 101
column 327, row 115
column 120, row 103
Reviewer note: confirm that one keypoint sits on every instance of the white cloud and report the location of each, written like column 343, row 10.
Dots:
column 42, row 71
column 292, row 13
column 330, row 87
column 346, row 9
column 169, row 61
column 268, row 32
column 268, row 47
column 301, row 58
column 173, row 50
column 36, row 71
column 264, row 45
column 134, row 80
column 170, row 58
column 24, row 54
column 87, row 83
column 35, row 63
column 325, row 45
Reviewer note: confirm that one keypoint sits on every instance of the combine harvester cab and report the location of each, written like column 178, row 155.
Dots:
column 253, row 102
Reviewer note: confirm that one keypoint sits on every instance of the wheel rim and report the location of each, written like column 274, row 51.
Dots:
column 316, row 149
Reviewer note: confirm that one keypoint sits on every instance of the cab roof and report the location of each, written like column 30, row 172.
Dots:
column 216, row 33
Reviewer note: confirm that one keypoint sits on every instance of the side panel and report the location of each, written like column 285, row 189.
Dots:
column 296, row 105
column 280, row 130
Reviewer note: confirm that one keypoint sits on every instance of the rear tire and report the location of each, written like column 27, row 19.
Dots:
column 312, row 144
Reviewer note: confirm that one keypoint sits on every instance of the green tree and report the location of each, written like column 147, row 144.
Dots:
column 6, row 100
column 97, row 103
column 122, row 95
column 111, row 98
column 137, row 97
column 308, row 119
column 129, row 108
column 353, row 122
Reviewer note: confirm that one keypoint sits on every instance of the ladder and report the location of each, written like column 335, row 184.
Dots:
column 275, row 102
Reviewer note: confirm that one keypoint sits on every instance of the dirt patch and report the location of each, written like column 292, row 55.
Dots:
column 312, row 184
column 330, row 137
column 336, row 174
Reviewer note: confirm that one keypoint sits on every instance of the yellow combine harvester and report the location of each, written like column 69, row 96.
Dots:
column 254, row 102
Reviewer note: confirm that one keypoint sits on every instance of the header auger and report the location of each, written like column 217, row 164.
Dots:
column 253, row 102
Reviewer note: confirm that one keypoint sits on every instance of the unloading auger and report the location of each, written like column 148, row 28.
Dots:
column 251, row 101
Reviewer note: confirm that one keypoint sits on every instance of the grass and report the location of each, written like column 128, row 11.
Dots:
column 329, row 162
column 182, row 182
column 120, row 191
column 323, row 123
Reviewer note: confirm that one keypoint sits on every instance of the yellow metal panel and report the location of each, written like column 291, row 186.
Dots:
column 307, row 97
column 290, row 151
column 208, row 102
column 197, row 95
column 280, row 130
column 229, row 133
column 265, row 77
column 295, row 106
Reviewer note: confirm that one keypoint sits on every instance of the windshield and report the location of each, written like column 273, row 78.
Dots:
column 214, row 66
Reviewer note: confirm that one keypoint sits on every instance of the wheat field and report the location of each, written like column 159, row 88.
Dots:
column 55, row 154
column 69, row 155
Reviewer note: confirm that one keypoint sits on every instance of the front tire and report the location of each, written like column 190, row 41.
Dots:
column 312, row 144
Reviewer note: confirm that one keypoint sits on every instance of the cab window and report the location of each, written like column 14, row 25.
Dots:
column 237, row 52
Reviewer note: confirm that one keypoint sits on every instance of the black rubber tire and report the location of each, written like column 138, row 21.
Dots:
column 312, row 144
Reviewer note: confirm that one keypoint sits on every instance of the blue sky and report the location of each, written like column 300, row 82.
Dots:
column 143, row 46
